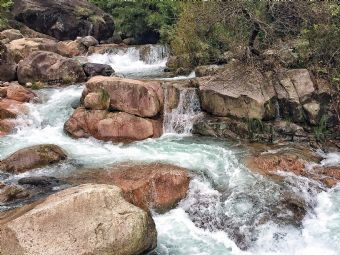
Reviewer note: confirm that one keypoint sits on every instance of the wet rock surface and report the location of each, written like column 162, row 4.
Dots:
column 149, row 186
column 32, row 157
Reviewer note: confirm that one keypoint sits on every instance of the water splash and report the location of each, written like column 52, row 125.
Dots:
column 146, row 61
column 180, row 120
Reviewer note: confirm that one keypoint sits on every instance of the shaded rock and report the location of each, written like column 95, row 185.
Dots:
column 142, row 98
column 8, row 66
column 229, row 93
column 11, row 34
column 19, row 93
column 92, row 69
column 11, row 109
column 118, row 227
column 64, row 19
column 40, row 181
column 22, row 48
column 294, row 89
column 32, row 157
column 12, row 192
column 130, row 41
column 108, row 126
column 88, row 41
column 50, row 68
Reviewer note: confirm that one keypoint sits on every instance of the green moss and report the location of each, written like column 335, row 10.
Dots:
column 83, row 12
column 104, row 96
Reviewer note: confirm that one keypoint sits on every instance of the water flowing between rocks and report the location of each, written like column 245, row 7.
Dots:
column 228, row 210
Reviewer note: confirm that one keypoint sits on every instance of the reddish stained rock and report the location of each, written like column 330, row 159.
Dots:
column 294, row 162
column 141, row 98
column 269, row 163
column 7, row 125
column 32, row 157
column 109, row 126
column 19, row 93
column 11, row 108
column 148, row 186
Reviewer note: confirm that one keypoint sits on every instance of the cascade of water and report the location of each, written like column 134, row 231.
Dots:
column 143, row 61
column 180, row 120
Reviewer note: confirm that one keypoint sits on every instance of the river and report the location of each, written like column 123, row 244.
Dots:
column 228, row 210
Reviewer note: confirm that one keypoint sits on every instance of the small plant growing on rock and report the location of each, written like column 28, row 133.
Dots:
column 321, row 130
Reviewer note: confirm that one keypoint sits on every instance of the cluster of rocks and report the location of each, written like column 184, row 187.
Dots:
column 118, row 109
column 298, row 160
column 46, row 61
column 69, row 221
column 12, row 104
column 243, row 102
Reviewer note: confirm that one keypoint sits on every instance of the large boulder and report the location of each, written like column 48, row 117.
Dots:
column 149, row 186
column 49, row 68
column 294, row 91
column 32, row 157
column 238, row 91
column 110, row 126
column 64, row 19
column 141, row 98
column 22, row 48
column 88, row 219
column 8, row 66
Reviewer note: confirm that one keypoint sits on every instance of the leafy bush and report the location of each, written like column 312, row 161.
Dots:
column 4, row 6
column 147, row 21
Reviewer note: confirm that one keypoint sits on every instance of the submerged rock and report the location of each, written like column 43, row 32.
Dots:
column 32, row 157
column 293, row 160
column 64, row 19
column 50, row 68
column 96, row 217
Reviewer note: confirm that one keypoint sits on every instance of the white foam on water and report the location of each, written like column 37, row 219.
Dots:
column 181, row 119
column 131, row 63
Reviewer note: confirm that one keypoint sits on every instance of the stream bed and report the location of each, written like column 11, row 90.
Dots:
column 228, row 210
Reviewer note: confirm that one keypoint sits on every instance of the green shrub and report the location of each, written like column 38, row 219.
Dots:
column 145, row 20
column 4, row 7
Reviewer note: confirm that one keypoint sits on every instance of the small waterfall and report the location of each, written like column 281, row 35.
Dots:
column 181, row 119
column 135, row 61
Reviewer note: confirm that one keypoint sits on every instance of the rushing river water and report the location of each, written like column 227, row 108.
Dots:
column 228, row 210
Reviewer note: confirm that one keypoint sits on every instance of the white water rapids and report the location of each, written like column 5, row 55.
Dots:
column 225, row 203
